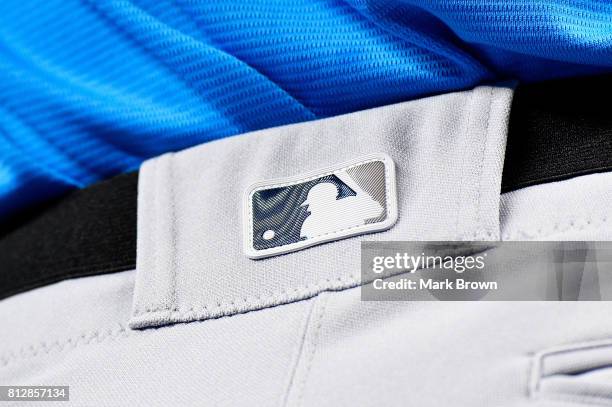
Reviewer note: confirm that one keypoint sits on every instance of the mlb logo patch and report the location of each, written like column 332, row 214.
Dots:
column 348, row 199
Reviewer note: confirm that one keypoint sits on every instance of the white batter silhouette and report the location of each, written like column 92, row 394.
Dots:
column 328, row 214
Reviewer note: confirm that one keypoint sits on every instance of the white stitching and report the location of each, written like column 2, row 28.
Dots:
column 31, row 351
column 589, row 223
column 483, row 157
column 321, row 285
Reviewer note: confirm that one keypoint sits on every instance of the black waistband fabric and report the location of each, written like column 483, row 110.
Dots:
column 90, row 231
column 557, row 130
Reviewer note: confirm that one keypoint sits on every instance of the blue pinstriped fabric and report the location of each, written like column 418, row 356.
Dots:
column 89, row 89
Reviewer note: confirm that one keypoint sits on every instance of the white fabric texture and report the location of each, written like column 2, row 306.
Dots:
column 321, row 347
column 75, row 333
column 448, row 152
column 576, row 209
column 445, row 353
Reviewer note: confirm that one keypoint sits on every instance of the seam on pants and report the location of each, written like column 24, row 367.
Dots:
column 299, row 351
column 100, row 335
column 589, row 223
column 44, row 348
column 307, row 352
column 315, row 339
column 173, row 229
column 461, row 184
column 267, row 300
column 483, row 156
column 151, row 230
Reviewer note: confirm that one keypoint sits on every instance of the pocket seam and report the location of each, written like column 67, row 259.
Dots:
column 537, row 373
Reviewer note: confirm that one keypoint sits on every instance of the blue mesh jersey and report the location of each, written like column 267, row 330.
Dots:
column 91, row 88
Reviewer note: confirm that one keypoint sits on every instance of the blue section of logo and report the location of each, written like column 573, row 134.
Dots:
column 281, row 211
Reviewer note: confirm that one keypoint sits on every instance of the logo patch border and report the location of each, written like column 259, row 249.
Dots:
column 390, row 194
